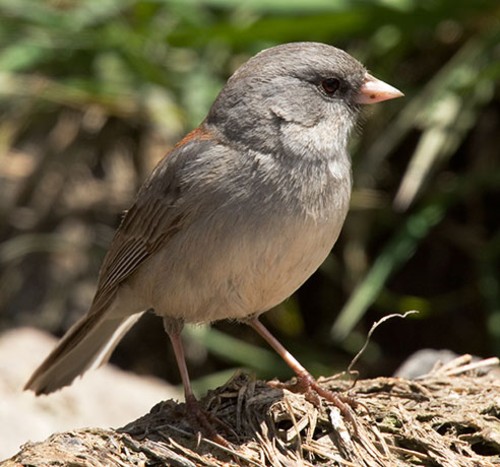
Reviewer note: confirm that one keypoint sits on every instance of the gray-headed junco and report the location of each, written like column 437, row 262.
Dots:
column 238, row 215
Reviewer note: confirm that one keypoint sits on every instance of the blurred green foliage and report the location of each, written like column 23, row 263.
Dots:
column 94, row 92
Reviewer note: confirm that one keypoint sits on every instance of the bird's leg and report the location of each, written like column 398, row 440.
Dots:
column 198, row 416
column 305, row 381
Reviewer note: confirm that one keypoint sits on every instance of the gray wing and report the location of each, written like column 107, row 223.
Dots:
column 154, row 218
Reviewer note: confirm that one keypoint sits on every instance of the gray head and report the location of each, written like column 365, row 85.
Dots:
column 287, row 89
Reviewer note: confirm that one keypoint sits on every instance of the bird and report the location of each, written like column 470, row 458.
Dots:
column 237, row 215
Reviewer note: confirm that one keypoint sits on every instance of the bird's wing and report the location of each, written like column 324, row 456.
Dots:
column 157, row 214
column 153, row 219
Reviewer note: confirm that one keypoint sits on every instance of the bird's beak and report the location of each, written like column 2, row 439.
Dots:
column 374, row 90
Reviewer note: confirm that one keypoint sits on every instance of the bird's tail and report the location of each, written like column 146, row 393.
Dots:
column 89, row 343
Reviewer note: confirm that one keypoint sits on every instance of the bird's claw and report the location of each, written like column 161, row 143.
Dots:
column 205, row 422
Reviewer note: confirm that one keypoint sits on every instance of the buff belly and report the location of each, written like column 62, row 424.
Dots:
column 202, row 277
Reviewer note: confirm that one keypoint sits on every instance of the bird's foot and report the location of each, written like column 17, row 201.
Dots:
column 205, row 422
column 313, row 392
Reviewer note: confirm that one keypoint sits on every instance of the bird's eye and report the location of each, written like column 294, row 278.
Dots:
column 330, row 86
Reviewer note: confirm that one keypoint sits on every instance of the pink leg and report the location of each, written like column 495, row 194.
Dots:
column 194, row 411
column 176, row 340
column 306, row 382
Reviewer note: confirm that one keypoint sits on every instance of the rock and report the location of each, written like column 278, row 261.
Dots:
column 107, row 397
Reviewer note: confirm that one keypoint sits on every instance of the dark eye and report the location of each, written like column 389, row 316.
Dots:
column 330, row 86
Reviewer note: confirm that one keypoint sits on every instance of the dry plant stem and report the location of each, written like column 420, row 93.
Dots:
column 372, row 330
column 197, row 415
column 306, row 383
column 445, row 421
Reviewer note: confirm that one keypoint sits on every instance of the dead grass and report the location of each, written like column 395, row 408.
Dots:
column 448, row 418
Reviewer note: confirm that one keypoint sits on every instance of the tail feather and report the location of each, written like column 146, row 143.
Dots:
column 89, row 343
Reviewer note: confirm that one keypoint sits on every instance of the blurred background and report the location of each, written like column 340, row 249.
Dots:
column 94, row 92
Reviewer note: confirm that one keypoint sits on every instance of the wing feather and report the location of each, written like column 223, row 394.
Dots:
column 152, row 220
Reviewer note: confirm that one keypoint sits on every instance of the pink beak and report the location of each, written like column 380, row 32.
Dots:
column 374, row 90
